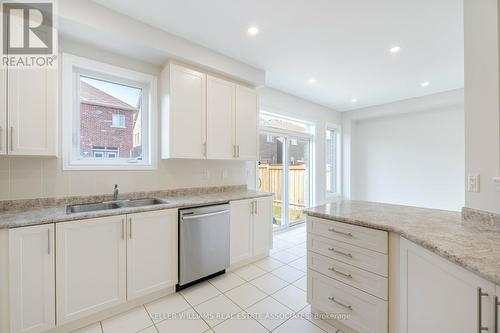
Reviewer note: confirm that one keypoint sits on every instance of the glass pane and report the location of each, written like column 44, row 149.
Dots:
column 298, row 179
column 331, row 161
column 271, row 177
column 110, row 120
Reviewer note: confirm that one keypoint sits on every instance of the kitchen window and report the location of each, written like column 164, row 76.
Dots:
column 107, row 116
column 332, row 166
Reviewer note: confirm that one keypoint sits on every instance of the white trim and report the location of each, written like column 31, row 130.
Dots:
column 72, row 67
column 338, row 192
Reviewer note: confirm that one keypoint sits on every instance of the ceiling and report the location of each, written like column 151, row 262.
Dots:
column 343, row 44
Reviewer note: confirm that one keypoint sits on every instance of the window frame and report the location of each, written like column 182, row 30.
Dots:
column 72, row 68
column 120, row 117
column 338, row 159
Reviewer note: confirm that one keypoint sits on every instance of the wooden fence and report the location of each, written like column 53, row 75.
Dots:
column 271, row 180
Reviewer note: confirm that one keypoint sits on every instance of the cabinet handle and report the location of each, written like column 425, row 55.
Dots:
column 123, row 229
column 238, row 151
column 1, row 138
column 340, row 303
column 497, row 304
column 204, row 149
column 48, row 241
column 256, row 207
column 252, row 209
column 130, row 228
column 340, row 252
column 349, row 276
column 12, row 138
column 480, row 296
column 347, row 234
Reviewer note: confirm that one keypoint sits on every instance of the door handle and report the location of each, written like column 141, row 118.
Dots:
column 480, row 296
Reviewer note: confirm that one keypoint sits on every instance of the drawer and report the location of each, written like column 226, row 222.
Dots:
column 371, row 261
column 371, row 283
column 371, row 239
column 366, row 313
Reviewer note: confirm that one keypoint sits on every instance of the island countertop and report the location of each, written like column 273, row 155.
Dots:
column 471, row 244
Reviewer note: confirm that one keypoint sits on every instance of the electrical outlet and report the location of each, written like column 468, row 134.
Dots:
column 473, row 183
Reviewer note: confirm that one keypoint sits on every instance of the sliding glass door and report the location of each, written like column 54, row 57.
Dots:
column 284, row 169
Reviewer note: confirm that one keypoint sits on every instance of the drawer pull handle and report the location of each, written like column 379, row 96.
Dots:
column 340, row 252
column 340, row 303
column 349, row 276
column 348, row 234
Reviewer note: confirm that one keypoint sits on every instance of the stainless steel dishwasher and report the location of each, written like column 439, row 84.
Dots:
column 203, row 243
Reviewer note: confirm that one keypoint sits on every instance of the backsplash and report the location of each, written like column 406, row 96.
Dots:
column 40, row 177
column 470, row 214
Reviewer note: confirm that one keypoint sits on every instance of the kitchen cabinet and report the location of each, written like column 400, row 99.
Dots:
column 32, row 270
column 3, row 112
column 91, row 266
column 262, row 226
column 207, row 117
column 151, row 252
column 251, row 229
column 220, row 119
column 246, row 123
column 241, row 230
column 31, row 126
column 439, row 296
column 183, row 113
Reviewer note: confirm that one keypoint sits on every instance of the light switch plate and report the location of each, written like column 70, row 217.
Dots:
column 473, row 183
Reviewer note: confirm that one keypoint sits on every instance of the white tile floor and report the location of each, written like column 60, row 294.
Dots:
column 266, row 296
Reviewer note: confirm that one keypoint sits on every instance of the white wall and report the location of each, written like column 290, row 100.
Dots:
column 272, row 100
column 409, row 152
column 482, row 115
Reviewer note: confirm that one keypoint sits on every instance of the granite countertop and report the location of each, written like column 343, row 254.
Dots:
column 33, row 216
column 471, row 244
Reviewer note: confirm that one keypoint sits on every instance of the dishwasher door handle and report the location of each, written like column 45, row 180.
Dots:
column 192, row 217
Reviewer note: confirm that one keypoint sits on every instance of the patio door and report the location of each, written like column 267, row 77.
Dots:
column 284, row 169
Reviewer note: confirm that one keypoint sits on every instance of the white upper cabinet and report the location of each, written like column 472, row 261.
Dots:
column 207, row 117
column 32, row 275
column 32, row 112
column 246, row 123
column 3, row 111
column 220, row 119
column 91, row 266
column 183, row 113
column 151, row 252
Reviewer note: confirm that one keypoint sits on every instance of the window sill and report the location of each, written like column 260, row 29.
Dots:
column 108, row 167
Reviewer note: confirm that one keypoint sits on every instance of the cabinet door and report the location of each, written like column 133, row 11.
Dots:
column 32, row 279
column 262, row 226
column 220, row 118
column 246, row 123
column 241, row 230
column 439, row 296
column 151, row 252
column 91, row 266
column 3, row 111
column 187, row 113
column 32, row 111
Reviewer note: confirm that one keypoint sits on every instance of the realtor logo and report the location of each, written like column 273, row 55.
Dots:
column 28, row 34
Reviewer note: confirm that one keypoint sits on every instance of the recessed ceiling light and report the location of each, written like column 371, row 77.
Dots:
column 425, row 83
column 395, row 49
column 253, row 30
column 312, row 80
column 354, row 100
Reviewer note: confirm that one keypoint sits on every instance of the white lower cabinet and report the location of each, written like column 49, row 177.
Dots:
column 32, row 270
column 438, row 296
column 251, row 228
column 91, row 266
column 151, row 252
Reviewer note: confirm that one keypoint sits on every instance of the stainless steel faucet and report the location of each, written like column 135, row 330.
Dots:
column 115, row 193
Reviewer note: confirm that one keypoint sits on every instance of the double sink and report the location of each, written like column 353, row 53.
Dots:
column 93, row 207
